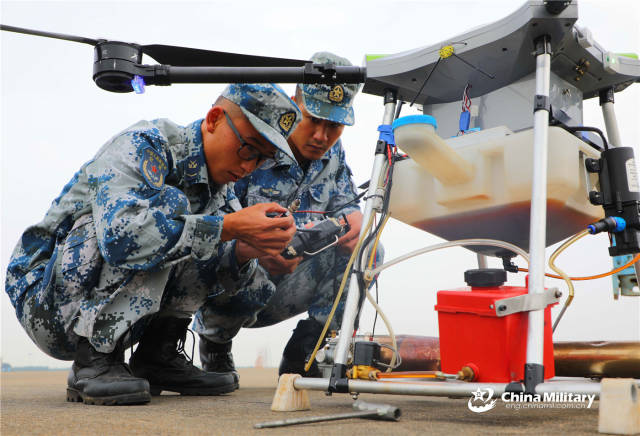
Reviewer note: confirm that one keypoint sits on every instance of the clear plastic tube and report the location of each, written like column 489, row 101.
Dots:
column 396, row 355
column 370, row 273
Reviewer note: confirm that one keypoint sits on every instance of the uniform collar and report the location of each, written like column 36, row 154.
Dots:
column 194, row 167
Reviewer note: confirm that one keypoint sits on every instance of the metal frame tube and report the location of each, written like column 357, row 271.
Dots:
column 537, row 236
column 482, row 261
column 576, row 387
column 611, row 124
column 444, row 388
column 353, row 294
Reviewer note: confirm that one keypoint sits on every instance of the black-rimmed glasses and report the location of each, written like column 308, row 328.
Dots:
column 247, row 151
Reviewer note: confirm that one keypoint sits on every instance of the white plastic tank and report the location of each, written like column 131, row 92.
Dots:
column 478, row 185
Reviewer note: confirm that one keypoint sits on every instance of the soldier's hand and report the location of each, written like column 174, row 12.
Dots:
column 349, row 240
column 253, row 226
column 277, row 265
column 244, row 252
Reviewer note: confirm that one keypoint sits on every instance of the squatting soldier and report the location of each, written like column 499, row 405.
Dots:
column 319, row 177
column 138, row 239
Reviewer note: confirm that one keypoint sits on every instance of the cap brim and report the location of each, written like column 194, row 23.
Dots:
column 327, row 111
column 269, row 133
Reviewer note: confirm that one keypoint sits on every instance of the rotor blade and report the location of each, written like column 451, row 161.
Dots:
column 49, row 34
column 193, row 57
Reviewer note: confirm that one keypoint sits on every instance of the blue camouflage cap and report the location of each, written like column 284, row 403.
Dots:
column 268, row 108
column 330, row 102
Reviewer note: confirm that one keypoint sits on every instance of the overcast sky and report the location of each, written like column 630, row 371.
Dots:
column 54, row 119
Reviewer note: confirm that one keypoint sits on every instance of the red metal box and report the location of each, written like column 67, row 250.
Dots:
column 472, row 333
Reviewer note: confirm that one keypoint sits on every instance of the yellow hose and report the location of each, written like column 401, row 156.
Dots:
column 597, row 276
column 564, row 276
column 375, row 245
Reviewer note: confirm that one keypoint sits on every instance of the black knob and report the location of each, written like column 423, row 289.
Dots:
column 485, row 277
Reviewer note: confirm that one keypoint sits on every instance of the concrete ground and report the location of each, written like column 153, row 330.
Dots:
column 34, row 403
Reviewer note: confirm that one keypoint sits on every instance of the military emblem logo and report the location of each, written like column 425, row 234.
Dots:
column 192, row 169
column 269, row 191
column 336, row 94
column 286, row 121
column 153, row 168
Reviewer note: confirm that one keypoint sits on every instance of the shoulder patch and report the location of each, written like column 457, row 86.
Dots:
column 153, row 167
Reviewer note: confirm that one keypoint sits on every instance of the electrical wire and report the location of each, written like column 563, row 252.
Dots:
column 597, row 276
column 398, row 109
column 425, row 82
column 339, row 294
column 466, row 101
column 588, row 129
column 357, row 198
column 474, row 67
column 375, row 317
column 328, row 212
column 375, row 244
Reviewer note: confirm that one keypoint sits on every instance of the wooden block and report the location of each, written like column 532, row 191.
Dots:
column 619, row 406
column 287, row 398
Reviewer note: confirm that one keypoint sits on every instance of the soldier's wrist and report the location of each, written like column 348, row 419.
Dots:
column 241, row 258
column 228, row 227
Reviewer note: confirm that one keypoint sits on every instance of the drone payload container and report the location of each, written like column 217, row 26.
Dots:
column 493, row 199
column 482, row 188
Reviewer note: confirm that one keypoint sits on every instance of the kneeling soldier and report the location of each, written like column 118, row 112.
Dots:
column 318, row 177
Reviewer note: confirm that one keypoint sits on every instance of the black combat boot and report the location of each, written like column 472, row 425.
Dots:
column 217, row 358
column 160, row 358
column 104, row 378
column 299, row 349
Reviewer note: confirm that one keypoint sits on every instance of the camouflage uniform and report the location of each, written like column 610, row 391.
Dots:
column 136, row 231
column 326, row 185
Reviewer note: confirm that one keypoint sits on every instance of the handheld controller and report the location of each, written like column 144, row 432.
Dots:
column 309, row 242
